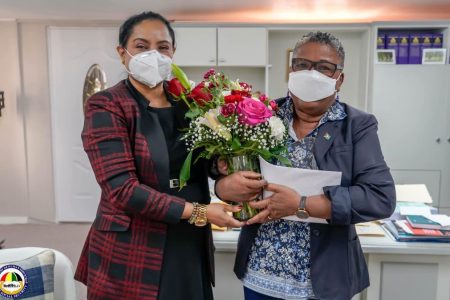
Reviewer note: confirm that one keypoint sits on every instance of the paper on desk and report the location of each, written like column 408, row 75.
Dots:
column 414, row 210
column 412, row 193
column 443, row 220
column 306, row 182
column 369, row 229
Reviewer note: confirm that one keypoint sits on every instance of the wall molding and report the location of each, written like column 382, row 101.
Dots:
column 13, row 220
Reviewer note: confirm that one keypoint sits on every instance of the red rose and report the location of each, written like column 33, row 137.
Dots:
column 245, row 86
column 200, row 94
column 175, row 88
column 233, row 98
column 273, row 105
column 241, row 93
column 209, row 73
column 263, row 98
column 228, row 109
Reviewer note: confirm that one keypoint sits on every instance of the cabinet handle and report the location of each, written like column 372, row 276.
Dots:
column 448, row 140
column 438, row 140
column 222, row 60
column 212, row 60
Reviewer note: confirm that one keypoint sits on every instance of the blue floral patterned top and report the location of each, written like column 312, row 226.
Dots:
column 279, row 264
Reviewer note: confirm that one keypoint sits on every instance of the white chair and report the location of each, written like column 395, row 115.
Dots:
column 63, row 274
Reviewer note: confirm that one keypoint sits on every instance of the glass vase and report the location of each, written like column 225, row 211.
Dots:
column 244, row 163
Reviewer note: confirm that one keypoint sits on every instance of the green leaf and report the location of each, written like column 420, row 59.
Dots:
column 193, row 113
column 185, row 172
column 181, row 76
column 286, row 162
column 236, row 144
column 222, row 119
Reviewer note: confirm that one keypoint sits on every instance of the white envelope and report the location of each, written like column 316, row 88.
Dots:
column 305, row 181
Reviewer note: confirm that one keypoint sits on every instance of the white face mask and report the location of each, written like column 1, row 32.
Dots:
column 150, row 67
column 311, row 85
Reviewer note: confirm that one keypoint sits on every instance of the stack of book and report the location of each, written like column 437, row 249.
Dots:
column 420, row 228
column 414, row 219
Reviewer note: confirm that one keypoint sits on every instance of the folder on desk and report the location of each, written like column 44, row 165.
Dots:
column 412, row 193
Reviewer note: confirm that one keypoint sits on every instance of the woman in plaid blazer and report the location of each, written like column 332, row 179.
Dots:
column 141, row 245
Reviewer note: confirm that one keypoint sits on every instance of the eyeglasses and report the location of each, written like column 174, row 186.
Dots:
column 324, row 67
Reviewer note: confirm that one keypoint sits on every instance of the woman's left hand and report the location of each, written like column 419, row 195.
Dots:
column 283, row 202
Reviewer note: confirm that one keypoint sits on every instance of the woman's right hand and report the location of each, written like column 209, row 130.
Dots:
column 240, row 186
column 218, row 214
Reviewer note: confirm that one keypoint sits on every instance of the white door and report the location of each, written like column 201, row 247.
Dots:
column 411, row 105
column 72, row 51
column 242, row 47
column 195, row 46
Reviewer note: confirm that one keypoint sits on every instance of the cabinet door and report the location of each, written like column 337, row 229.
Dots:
column 410, row 103
column 242, row 46
column 195, row 46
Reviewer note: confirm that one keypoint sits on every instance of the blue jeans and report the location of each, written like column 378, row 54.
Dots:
column 252, row 295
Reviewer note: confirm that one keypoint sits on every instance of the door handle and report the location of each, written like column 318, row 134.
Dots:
column 448, row 140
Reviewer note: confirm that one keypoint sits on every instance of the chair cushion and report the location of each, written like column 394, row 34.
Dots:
column 31, row 278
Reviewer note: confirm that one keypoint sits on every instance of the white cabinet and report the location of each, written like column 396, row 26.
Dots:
column 210, row 46
column 242, row 46
column 195, row 46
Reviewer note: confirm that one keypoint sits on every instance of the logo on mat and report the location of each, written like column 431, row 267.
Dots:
column 13, row 281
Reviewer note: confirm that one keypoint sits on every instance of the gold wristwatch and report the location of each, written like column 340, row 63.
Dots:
column 302, row 213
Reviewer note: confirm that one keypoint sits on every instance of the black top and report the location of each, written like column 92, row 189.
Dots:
column 184, row 273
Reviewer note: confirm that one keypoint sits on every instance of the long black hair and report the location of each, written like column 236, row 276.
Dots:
column 127, row 27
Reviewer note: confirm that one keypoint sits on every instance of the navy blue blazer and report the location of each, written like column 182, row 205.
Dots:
column 367, row 192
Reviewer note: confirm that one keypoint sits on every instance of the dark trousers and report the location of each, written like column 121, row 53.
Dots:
column 252, row 295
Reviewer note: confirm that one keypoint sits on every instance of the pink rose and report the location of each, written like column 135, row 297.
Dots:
column 228, row 109
column 252, row 112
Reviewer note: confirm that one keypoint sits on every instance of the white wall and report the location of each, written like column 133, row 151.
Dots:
column 13, row 176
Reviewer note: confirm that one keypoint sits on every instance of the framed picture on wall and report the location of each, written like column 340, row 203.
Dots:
column 434, row 56
column 385, row 56
column 289, row 54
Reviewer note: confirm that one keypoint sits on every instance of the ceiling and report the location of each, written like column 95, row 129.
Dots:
column 240, row 11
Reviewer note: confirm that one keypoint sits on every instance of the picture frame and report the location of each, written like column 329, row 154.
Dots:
column 289, row 54
column 434, row 56
column 385, row 56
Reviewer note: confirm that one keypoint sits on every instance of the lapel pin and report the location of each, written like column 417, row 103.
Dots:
column 327, row 136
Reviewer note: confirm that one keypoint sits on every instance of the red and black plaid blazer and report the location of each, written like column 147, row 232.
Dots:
column 123, row 253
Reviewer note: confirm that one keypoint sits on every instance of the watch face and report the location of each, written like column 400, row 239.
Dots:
column 302, row 214
column 201, row 222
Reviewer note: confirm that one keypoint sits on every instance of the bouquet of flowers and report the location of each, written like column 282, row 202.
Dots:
column 227, row 121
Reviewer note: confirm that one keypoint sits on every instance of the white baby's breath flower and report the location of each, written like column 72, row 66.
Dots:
column 277, row 128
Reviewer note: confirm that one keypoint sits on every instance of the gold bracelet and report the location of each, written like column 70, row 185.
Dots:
column 194, row 213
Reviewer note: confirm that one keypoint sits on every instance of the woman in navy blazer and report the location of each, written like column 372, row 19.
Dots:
column 282, row 259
